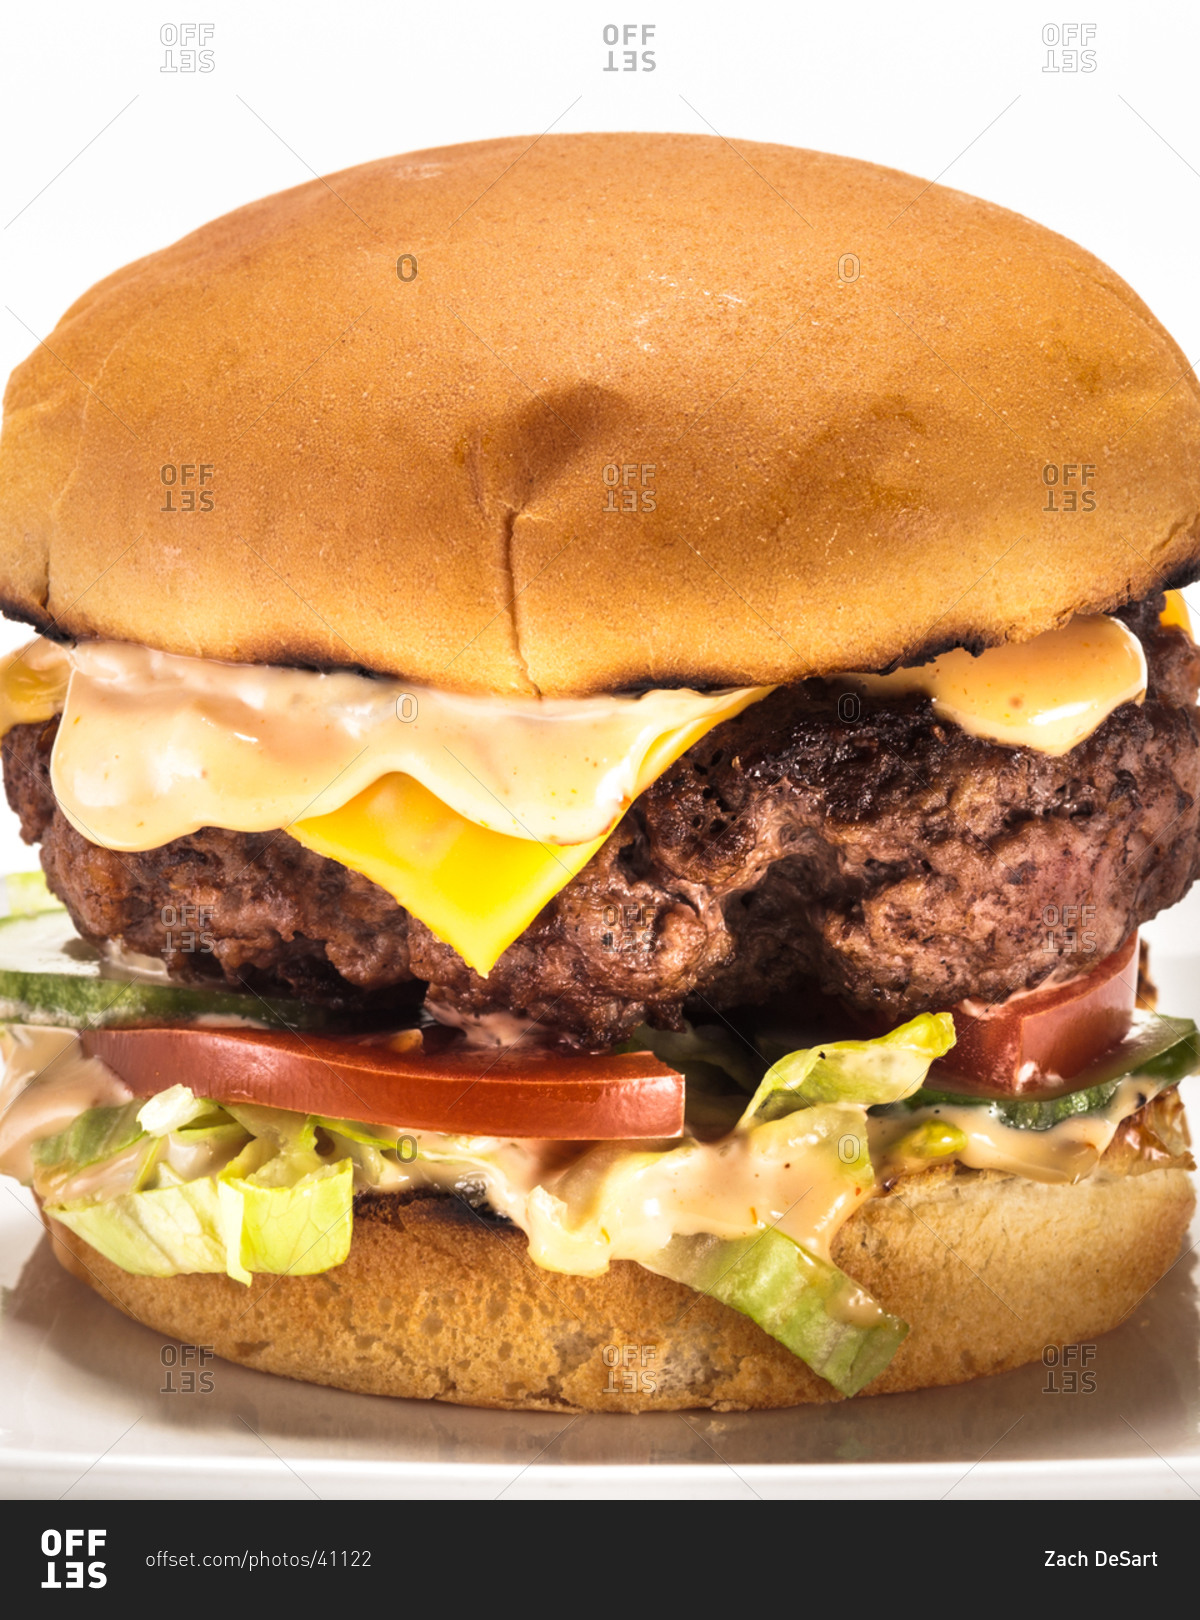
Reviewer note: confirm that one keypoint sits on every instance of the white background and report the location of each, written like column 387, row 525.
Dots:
column 106, row 157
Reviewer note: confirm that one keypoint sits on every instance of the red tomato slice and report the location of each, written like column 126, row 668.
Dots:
column 1036, row 1040
column 511, row 1091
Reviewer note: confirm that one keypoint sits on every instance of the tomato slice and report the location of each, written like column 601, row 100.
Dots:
column 513, row 1091
column 1031, row 1044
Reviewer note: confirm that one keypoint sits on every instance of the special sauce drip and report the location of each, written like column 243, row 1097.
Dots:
column 1048, row 694
column 153, row 745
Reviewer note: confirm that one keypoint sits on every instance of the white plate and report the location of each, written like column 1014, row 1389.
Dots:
column 91, row 1407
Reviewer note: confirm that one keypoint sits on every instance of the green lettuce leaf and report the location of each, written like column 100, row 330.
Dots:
column 382, row 1137
column 172, row 1110
column 884, row 1070
column 27, row 895
column 212, row 1128
column 704, row 1054
column 159, row 1233
column 98, row 1134
column 804, row 1302
column 301, row 1228
column 284, row 1130
column 223, row 1223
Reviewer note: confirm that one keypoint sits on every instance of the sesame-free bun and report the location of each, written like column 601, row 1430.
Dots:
column 419, row 395
column 435, row 1301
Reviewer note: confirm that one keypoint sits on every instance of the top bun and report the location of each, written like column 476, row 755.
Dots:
column 630, row 410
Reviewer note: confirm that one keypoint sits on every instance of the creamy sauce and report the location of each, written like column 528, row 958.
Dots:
column 133, row 964
column 584, row 1206
column 494, row 1029
column 46, row 1083
column 1049, row 693
column 153, row 746
column 1066, row 1152
column 580, row 1206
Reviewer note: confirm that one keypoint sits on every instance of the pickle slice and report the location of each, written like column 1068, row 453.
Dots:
column 48, row 975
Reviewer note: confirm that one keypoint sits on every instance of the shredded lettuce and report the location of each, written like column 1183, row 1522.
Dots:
column 804, row 1302
column 384, row 1137
column 275, row 1206
column 24, row 894
column 285, row 1131
column 884, row 1070
column 159, row 1233
column 98, row 1134
column 222, row 1224
column 274, row 1190
column 171, row 1110
column 704, row 1054
column 300, row 1227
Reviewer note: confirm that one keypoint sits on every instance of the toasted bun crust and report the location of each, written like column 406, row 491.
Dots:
column 434, row 1301
column 845, row 386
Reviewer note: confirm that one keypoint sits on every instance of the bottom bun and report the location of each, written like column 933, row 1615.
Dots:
column 439, row 1301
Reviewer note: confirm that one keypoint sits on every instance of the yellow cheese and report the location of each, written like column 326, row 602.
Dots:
column 405, row 785
column 1176, row 612
column 408, row 784
column 33, row 684
column 476, row 889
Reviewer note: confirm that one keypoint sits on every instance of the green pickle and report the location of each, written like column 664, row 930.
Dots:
column 48, row 975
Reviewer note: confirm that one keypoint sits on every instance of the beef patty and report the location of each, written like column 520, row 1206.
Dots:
column 859, row 847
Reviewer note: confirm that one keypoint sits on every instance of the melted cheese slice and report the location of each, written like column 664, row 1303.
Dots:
column 153, row 746
column 474, row 888
column 472, row 812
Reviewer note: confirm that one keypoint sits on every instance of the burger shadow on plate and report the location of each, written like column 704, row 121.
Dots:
column 1134, row 1389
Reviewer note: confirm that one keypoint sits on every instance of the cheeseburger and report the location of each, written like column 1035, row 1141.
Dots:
column 603, row 720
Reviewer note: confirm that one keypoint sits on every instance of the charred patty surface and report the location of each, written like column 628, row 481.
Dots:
column 870, row 851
